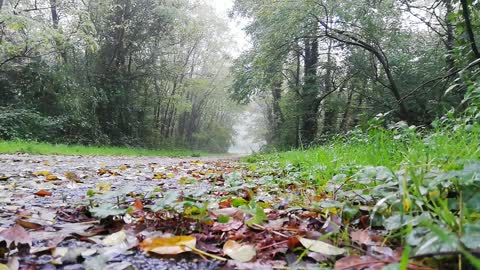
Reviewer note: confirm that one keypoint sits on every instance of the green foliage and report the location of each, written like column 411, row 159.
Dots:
column 122, row 73
column 420, row 187
column 20, row 124
column 344, row 62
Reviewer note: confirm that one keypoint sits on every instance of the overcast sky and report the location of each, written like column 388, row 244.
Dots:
column 222, row 7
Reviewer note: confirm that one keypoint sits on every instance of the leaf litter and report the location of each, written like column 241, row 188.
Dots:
column 160, row 213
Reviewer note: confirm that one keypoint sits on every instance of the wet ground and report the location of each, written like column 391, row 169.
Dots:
column 67, row 180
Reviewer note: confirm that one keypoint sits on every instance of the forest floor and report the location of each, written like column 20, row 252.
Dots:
column 272, row 212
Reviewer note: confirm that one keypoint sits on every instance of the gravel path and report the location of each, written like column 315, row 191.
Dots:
column 75, row 176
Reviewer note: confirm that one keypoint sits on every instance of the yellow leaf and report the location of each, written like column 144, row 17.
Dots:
column 169, row 246
column 159, row 176
column 239, row 252
column 73, row 177
column 42, row 173
column 103, row 187
column 123, row 167
column 51, row 177
column 183, row 180
column 407, row 203
column 170, row 175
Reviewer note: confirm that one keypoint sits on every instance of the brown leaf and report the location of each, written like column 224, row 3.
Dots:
column 233, row 224
column 293, row 242
column 138, row 205
column 226, row 203
column 43, row 193
column 27, row 224
column 362, row 237
column 357, row 263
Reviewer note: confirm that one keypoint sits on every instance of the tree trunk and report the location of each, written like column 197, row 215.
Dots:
column 277, row 116
column 329, row 119
column 344, row 123
column 53, row 9
column 310, row 92
column 449, row 44
column 469, row 28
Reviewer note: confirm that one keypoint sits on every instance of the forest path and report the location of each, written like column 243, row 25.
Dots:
column 49, row 195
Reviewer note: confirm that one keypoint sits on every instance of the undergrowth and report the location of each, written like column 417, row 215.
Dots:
column 418, row 188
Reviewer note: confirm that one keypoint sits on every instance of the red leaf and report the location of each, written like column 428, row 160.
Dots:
column 225, row 204
column 138, row 205
column 293, row 242
column 43, row 193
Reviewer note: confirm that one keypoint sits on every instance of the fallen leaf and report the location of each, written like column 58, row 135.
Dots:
column 123, row 167
column 103, row 187
column 28, row 224
column 138, row 205
column 362, row 237
column 13, row 263
column 42, row 173
column 17, row 236
column 4, row 177
column 321, row 247
column 43, row 193
column 51, row 177
column 364, row 262
column 239, row 252
column 169, row 246
column 226, row 227
column 73, row 177
column 115, row 239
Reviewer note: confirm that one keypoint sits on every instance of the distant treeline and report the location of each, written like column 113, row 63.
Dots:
column 142, row 73
column 326, row 66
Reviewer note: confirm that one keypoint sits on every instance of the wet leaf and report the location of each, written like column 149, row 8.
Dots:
column 239, row 252
column 27, row 224
column 138, row 205
column 43, row 193
column 169, row 246
column 115, row 239
column 103, row 187
column 107, row 210
column 51, row 177
column 361, row 237
column 42, row 173
column 321, row 247
column 354, row 262
column 17, row 236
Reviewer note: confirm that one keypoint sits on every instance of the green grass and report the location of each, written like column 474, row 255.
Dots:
column 10, row 147
column 380, row 148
